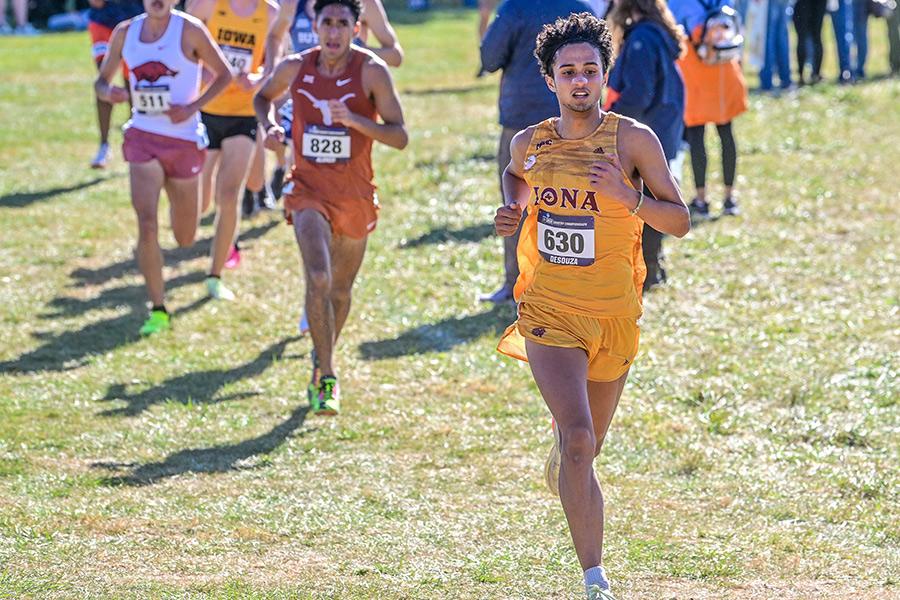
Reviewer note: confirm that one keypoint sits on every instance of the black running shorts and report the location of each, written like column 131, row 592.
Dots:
column 219, row 127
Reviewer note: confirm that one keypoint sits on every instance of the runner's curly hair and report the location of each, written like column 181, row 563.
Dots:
column 577, row 28
column 355, row 6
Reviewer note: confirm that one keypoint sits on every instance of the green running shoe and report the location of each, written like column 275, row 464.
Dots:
column 217, row 289
column 329, row 396
column 312, row 390
column 158, row 321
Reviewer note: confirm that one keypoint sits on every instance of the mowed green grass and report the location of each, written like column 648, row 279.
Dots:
column 756, row 451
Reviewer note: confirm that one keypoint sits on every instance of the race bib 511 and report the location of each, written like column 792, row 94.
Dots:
column 566, row 239
column 152, row 99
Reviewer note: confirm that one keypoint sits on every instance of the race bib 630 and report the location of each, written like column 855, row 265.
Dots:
column 566, row 239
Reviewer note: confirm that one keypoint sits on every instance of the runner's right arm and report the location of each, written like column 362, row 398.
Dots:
column 272, row 89
column 104, row 89
column 275, row 38
column 377, row 22
column 515, row 190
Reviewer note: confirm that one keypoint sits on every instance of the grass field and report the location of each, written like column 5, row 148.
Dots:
column 756, row 452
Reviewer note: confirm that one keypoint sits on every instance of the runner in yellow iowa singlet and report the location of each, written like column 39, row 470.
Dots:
column 240, row 28
column 580, row 262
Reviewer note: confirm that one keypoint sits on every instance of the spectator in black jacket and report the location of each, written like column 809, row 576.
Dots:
column 645, row 84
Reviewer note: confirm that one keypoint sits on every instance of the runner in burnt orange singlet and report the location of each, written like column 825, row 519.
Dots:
column 338, row 92
column 580, row 261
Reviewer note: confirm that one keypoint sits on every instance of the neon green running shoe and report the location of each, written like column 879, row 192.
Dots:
column 158, row 321
column 217, row 289
column 329, row 401
column 312, row 390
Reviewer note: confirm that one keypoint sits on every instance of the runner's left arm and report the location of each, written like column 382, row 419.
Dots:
column 667, row 212
column 392, row 131
column 207, row 52
column 390, row 51
column 103, row 86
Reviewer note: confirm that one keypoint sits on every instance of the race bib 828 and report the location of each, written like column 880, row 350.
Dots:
column 326, row 144
column 566, row 239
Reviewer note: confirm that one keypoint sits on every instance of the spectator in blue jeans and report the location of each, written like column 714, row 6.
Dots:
column 841, row 12
column 860, row 36
column 778, row 52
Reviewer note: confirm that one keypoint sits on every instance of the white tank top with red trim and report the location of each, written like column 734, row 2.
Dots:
column 161, row 75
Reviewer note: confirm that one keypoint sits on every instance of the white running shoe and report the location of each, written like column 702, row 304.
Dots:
column 551, row 467
column 303, row 325
column 27, row 30
column 217, row 289
column 102, row 157
column 595, row 592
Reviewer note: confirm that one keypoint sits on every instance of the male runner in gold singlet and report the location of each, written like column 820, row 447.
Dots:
column 580, row 260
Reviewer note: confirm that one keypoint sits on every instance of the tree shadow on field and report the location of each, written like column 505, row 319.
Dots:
column 71, row 349
column 199, row 387
column 441, row 235
column 171, row 257
column 217, row 459
column 23, row 199
column 442, row 336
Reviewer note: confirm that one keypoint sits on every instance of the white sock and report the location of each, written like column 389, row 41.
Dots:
column 596, row 576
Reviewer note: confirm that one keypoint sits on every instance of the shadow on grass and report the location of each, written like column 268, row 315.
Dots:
column 23, row 199
column 400, row 15
column 198, row 387
column 446, row 162
column 171, row 257
column 441, row 235
column 71, row 349
column 441, row 91
column 217, row 459
column 442, row 336
column 66, row 306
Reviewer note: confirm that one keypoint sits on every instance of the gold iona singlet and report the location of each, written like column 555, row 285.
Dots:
column 242, row 41
column 578, row 252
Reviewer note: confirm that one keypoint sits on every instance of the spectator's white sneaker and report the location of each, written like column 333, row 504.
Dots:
column 27, row 30
column 102, row 157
